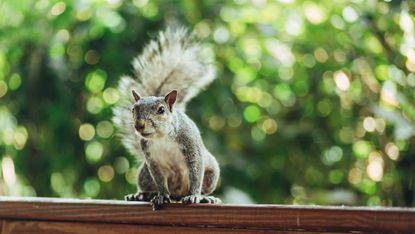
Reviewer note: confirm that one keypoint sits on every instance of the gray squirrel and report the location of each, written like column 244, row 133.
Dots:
column 152, row 122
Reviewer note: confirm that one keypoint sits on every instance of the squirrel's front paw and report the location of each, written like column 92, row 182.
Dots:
column 141, row 196
column 159, row 200
column 191, row 199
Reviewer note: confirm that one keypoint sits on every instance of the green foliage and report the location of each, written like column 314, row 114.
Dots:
column 314, row 101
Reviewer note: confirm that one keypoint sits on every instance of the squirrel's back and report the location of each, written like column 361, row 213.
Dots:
column 174, row 60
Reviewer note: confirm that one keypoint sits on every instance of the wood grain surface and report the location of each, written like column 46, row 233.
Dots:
column 33, row 227
column 37, row 214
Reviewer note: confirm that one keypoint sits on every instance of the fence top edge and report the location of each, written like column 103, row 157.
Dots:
column 75, row 201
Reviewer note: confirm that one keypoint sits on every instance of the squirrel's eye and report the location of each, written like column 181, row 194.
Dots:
column 160, row 110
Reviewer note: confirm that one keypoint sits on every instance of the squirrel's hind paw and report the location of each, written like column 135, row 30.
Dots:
column 210, row 200
column 191, row 199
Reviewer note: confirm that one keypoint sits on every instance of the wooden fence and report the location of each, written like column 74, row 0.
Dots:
column 51, row 215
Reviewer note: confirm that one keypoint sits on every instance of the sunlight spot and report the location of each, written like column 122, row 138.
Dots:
column 57, row 181
column 110, row 95
column 332, row 155
column 106, row 173
column 350, row 14
column 94, row 105
column 388, row 93
column 269, row 126
column 324, row 107
column 339, row 56
column 95, row 81
column 58, row 8
column 140, row 3
column 280, row 51
column 252, row 113
column 216, row 123
column 3, row 88
column 375, row 156
column 15, row 81
column 131, row 176
column 355, row 176
column 375, row 167
column 410, row 62
column 253, row 94
column 94, row 152
column 337, row 22
column 221, row 35
column 392, row 151
column 336, row 176
column 308, row 60
column 202, row 29
column 257, row 134
column 234, row 121
column 121, row 165
column 91, row 57
column 285, row 73
column 265, row 100
column 83, row 14
column 346, row 134
column 406, row 22
column 321, row 55
column 8, row 136
column 114, row 3
column 86, row 132
column 380, row 125
column 314, row 13
column 342, row 81
column 294, row 25
column 361, row 148
column 105, row 129
column 92, row 187
column 63, row 35
column 20, row 138
column 9, row 173
column 369, row 124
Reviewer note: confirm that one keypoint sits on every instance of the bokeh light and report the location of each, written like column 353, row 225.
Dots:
column 7, row 167
column 86, row 132
column 94, row 151
column 105, row 129
column 106, row 173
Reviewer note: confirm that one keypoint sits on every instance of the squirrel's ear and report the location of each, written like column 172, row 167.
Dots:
column 171, row 99
column 136, row 95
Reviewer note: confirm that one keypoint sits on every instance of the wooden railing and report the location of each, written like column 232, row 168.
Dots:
column 50, row 215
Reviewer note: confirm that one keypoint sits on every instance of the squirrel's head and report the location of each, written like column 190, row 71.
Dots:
column 153, row 115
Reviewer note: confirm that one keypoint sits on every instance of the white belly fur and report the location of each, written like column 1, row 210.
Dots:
column 172, row 165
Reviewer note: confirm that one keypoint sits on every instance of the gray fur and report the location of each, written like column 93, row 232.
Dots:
column 174, row 60
column 176, row 162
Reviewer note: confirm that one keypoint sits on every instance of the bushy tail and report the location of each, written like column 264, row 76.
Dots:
column 172, row 61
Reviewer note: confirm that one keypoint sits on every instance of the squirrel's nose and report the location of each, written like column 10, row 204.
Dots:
column 140, row 125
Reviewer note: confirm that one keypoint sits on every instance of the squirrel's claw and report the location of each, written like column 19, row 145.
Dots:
column 131, row 197
column 210, row 200
column 191, row 199
column 159, row 200
column 141, row 196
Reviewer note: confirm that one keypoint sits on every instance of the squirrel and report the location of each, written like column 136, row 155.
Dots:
column 176, row 166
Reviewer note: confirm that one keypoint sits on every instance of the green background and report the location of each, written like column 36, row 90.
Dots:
column 314, row 101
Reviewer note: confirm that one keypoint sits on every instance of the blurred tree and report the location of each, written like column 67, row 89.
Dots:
column 314, row 101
